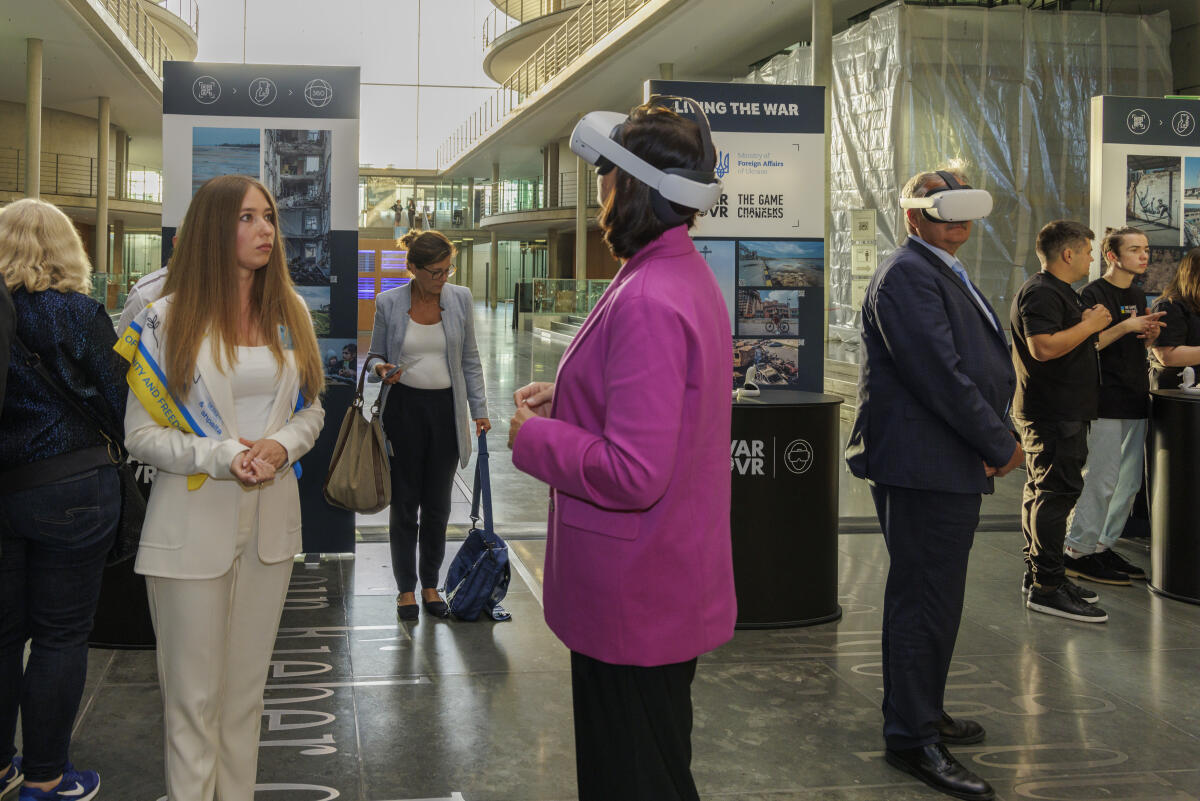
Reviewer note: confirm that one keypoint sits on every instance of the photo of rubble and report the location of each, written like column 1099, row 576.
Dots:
column 776, row 362
column 297, row 168
column 1191, row 179
column 223, row 151
column 767, row 312
column 1191, row 227
column 781, row 263
column 1164, row 262
column 317, row 300
column 340, row 357
column 1154, row 187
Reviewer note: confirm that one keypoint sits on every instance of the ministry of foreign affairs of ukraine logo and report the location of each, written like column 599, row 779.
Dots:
column 798, row 457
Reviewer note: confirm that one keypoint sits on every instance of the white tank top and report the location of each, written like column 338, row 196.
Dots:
column 428, row 342
column 253, row 379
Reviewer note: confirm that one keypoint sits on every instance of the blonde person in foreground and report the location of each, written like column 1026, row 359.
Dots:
column 235, row 345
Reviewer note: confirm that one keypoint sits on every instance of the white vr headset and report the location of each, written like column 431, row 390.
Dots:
column 595, row 140
column 958, row 203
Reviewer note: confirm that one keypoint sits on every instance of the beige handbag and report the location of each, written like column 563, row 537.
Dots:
column 360, row 478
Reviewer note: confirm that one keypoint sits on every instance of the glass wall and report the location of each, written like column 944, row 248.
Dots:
column 385, row 201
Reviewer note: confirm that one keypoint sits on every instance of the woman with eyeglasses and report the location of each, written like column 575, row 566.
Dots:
column 428, row 327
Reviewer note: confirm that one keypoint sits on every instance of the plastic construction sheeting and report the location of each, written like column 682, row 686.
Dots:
column 1005, row 91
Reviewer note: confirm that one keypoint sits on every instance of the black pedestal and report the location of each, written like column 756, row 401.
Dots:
column 1174, row 488
column 326, row 529
column 784, row 458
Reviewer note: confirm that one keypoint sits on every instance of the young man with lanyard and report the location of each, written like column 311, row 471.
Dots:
column 1116, row 441
column 1058, row 382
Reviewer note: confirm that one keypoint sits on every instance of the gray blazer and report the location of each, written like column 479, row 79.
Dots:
column 462, row 354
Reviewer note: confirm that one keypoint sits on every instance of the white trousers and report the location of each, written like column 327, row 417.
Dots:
column 1111, row 478
column 215, row 640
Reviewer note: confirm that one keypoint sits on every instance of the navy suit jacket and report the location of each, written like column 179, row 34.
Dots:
column 935, row 384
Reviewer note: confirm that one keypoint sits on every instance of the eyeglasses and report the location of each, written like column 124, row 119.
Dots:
column 447, row 273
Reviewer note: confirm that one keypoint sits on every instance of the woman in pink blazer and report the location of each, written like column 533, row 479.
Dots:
column 633, row 440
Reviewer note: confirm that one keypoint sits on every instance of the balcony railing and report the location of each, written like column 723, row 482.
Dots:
column 509, row 14
column 75, row 176
column 186, row 10
column 590, row 23
column 136, row 23
column 531, row 195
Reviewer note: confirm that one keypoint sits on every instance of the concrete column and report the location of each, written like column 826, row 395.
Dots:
column 494, row 271
column 582, row 176
column 118, row 252
column 552, row 253
column 33, row 117
column 122, row 153
column 100, row 263
column 469, row 267
column 469, row 211
column 822, row 64
column 495, row 189
column 666, row 71
column 553, row 200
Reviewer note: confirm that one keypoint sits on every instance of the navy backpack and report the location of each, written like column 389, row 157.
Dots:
column 479, row 575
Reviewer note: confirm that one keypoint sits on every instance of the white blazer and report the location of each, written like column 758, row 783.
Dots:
column 191, row 535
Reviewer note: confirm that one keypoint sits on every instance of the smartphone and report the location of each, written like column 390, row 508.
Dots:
column 403, row 363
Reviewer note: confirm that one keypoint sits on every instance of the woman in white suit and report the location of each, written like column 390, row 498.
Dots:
column 224, row 386
column 428, row 325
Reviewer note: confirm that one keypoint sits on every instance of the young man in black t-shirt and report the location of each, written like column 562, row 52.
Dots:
column 1058, row 382
column 1116, row 441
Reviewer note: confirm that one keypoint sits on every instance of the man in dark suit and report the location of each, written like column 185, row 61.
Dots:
column 930, row 433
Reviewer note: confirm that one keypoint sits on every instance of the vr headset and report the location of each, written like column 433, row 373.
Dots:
column 957, row 203
column 596, row 140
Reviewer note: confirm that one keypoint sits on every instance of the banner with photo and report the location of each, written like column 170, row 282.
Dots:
column 295, row 128
column 1145, row 172
column 764, row 239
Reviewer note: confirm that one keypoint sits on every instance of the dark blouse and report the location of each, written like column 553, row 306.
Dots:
column 1181, row 327
column 74, row 337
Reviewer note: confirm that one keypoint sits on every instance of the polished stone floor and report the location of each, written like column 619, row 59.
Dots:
column 363, row 709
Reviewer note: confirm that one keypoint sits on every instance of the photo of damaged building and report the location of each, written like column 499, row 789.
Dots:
column 296, row 168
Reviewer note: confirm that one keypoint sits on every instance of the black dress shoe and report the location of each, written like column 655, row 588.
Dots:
column 934, row 765
column 407, row 611
column 960, row 732
column 436, row 608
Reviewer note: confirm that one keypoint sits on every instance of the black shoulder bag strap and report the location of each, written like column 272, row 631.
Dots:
column 483, row 487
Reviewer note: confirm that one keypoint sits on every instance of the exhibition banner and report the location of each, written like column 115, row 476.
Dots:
column 1145, row 172
column 764, row 239
column 295, row 128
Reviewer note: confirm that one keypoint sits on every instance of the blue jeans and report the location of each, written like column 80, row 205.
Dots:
column 54, row 540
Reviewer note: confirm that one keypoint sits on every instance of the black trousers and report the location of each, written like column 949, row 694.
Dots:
column 419, row 424
column 1055, row 453
column 633, row 730
column 929, row 537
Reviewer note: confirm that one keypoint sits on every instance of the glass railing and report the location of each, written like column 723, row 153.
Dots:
column 561, row 295
column 186, row 10
column 531, row 194
column 510, row 14
column 67, row 174
column 136, row 23
column 590, row 23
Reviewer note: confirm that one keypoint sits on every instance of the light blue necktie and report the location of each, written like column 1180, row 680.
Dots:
column 962, row 274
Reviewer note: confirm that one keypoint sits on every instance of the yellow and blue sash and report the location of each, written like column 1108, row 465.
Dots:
column 148, row 384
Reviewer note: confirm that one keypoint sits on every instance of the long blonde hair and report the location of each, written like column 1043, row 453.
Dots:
column 202, row 277
column 40, row 249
